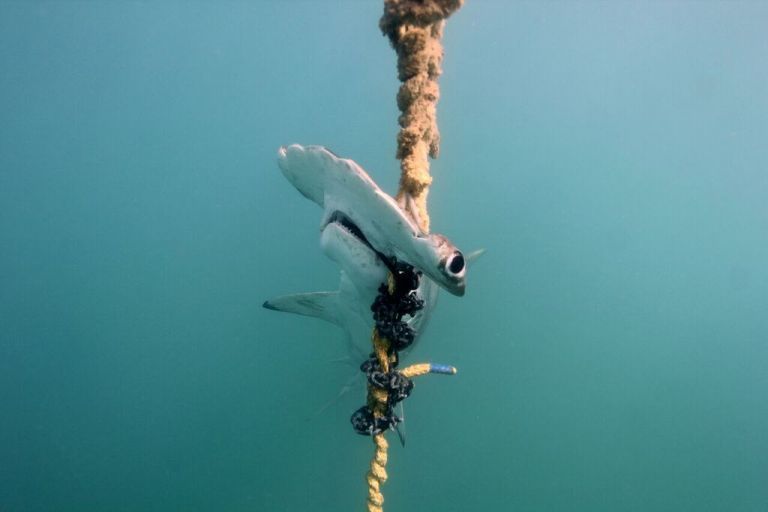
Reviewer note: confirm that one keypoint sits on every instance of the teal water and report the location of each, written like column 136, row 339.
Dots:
column 613, row 344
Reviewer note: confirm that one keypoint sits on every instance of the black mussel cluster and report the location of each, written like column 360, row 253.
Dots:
column 398, row 388
column 388, row 311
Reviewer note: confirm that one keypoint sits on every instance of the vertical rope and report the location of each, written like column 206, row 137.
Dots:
column 415, row 29
column 377, row 402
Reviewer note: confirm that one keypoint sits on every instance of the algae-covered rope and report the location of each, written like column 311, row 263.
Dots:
column 415, row 29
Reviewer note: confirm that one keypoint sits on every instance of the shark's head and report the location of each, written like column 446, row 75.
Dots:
column 442, row 261
column 361, row 222
column 348, row 244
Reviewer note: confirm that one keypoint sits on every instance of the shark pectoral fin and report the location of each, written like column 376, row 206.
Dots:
column 316, row 304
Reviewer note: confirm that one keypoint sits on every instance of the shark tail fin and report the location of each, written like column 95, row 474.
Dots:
column 316, row 304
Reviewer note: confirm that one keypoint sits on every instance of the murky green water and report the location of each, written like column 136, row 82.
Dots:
column 612, row 346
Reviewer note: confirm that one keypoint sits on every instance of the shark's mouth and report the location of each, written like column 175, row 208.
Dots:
column 340, row 219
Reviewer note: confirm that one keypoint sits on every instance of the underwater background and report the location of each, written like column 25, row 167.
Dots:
column 612, row 346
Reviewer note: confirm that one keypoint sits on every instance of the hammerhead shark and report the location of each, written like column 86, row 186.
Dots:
column 363, row 230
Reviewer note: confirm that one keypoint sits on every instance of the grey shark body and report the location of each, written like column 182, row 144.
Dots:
column 362, row 230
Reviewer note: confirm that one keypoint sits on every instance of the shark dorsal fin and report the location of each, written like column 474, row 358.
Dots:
column 322, row 305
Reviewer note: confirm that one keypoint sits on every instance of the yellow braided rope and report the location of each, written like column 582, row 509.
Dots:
column 416, row 370
column 377, row 475
column 377, row 402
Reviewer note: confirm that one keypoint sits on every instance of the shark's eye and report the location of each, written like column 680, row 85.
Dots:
column 456, row 263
